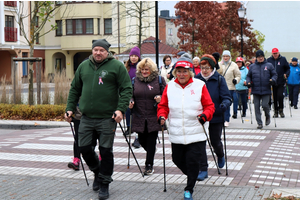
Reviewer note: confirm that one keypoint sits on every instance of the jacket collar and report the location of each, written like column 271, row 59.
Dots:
column 183, row 86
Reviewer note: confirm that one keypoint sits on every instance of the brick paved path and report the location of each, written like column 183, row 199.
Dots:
column 257, row 159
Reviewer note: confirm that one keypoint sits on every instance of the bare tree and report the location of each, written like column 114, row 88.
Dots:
column 40, row 13
column 139, row 16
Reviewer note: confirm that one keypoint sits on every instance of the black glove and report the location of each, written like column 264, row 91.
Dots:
column 272, row 82
column 202, row 118
column 249, row 85
column 234, row 81
column 223, row 107
column 160, row 118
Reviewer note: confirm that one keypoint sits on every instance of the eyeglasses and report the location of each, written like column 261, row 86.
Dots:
column 167, row 60
column 205, row 68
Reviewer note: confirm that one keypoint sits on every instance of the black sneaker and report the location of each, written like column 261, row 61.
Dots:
column 259, row 126
column 296, row 107
column 126, row 132
column 275, row 114
column 234, row 116
column 136, row 143
column 148, row 170
column 244, row 114
column 96, row 183
column 268, row 121
column 103, row 192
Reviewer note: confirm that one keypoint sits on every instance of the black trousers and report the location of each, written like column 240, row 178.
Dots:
column 148, row 142
column 76, row 150
column 215, row 133
column 186, row 158
column 278, row 96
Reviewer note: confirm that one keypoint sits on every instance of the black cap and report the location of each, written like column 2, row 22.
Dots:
column 260, row 53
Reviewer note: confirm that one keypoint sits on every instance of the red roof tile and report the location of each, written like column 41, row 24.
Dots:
column 149, row 47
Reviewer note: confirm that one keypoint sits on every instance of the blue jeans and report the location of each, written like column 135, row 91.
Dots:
column 227, row 112
column 293, row 94
column 236, row 97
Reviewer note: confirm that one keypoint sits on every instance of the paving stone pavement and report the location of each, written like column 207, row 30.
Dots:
column 33, row 164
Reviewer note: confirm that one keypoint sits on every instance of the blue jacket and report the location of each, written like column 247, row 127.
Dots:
column 294, row 77
column 281, row 67
column 240, row 85
column 259, row 76
column 219, row 93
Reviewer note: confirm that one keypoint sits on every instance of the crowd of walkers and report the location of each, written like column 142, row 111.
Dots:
column 191, row 98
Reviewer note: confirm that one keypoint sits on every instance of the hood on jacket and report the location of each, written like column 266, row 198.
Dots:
column 109, row 57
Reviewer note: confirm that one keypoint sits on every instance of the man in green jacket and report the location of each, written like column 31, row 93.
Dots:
column 104, row 88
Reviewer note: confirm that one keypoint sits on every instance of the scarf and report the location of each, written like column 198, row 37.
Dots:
column 207, row 77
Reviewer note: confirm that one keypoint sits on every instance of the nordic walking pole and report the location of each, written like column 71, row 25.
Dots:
column 287, row 90
column 250, row 108
column 273, row 105
column 238, row 103
column 225, row 144
column 211, row 149
column 128, row 165
column 79, row 152
column 130, row 147
column 164, row 159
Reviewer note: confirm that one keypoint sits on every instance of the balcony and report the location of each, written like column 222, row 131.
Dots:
column 11, row 34
column 10, row 3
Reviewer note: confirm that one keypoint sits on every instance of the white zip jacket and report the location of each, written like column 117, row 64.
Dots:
column 184, row 107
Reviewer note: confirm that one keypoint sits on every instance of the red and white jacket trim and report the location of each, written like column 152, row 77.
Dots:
column 183, row 104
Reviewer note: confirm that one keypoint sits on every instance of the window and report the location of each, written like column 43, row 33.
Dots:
column 9, row 21
column 37, row 39
column 98, row 26
column 80, row 27
column 108, row 26
column 170, row 32
column 36, row 21
column 11, row 33
column 25, row 64
column 59, row 28
column 10, row 3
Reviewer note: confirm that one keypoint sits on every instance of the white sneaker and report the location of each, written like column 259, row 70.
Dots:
column 226, row 124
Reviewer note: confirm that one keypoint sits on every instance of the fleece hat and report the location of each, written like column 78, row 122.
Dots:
column 135, row 51
column 275, row 50
column 180, row 53
column 226, row 53
column 260, row 53
column 185, row 63
column 294, row 59
column 210, row 59
column 101, row 43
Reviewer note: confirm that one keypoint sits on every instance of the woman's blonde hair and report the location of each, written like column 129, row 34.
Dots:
column 175, row 70
column 146, row 62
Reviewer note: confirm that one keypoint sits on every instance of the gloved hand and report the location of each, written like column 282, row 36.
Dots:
column 202, row 118
column 161, row 119
column 249, row 85
column 234, row 81
column 223, row 107
column 272, row 82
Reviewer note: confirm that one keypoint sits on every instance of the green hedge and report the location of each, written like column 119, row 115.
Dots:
column 36, row 112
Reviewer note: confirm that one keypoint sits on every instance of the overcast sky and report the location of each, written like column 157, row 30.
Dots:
column 167, row 5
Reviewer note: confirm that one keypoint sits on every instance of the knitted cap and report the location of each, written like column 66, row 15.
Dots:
column 101, row 43
column 211, row 60
column 294, row 59
column 260, row 53
column 135, row 51
column 226, row 53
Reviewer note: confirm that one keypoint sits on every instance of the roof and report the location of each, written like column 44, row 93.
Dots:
column 149, row 47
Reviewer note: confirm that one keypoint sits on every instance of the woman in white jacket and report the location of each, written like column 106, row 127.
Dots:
column 166, row 68
column 187, row 102
column 232, row 75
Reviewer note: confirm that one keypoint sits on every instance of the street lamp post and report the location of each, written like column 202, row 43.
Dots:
column 242, row 13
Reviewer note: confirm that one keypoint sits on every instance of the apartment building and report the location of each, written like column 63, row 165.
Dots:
column 12, row 41
column 80, row 22
column 167, row 29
